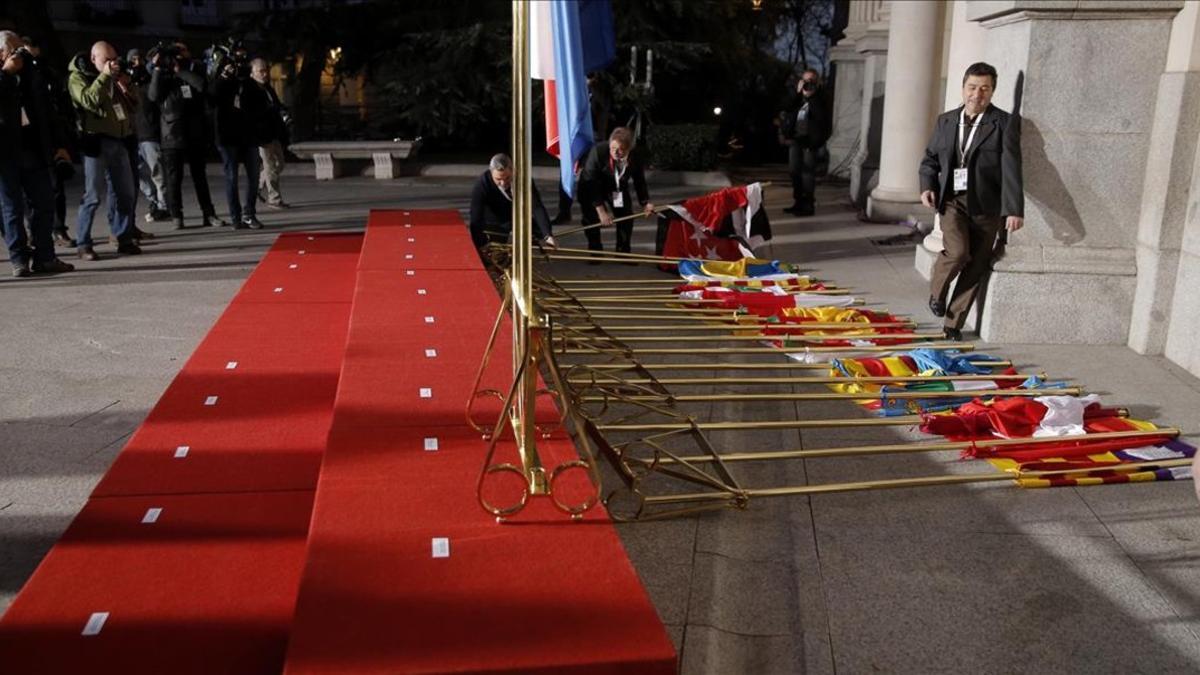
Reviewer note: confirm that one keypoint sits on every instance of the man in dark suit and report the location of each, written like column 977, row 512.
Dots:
column 604, row 182
column 492, row 206
column 971, row 175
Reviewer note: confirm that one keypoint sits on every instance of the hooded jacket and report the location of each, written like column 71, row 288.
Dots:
column 102, row 110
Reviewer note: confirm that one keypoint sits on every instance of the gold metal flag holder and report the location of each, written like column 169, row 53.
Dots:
column 530, row 338
column 611, row 400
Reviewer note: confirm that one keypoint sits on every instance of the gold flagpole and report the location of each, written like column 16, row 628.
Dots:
column 894, row 448
column 905, row 395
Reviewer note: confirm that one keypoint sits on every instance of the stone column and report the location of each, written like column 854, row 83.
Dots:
column 848, row 66
column 967, row 40
column 912, row 70
column 1168, row 242
column 1070, row 275
column 870, row 40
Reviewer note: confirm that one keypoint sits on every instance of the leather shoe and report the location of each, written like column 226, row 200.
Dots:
column 62, row 238
column 52, row 266
column 953, row 334
column 87, row 253
column 128, row 248
column 937, row 307
column 252, row 223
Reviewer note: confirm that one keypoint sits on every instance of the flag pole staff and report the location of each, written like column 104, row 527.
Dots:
column 724, row 365
column 742, row 425
column 761, row 337
column 657, row 209
column 799, row 328
column 812, row 379
column 905, row 395
column 524, row 318
column 894, row 483
column 599, row 350
column 939, row 446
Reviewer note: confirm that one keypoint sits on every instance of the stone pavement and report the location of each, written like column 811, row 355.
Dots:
column 983, row 578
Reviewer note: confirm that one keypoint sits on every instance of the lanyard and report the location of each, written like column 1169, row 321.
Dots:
column 617, row 171
column 962, row 122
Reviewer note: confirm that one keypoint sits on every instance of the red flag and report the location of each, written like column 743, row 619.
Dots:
column 685, row 240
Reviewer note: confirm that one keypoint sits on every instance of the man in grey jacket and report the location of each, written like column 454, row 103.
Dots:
column 971, row 175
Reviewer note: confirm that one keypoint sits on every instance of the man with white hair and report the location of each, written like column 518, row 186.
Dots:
column 30, row 139
column 105, row 119
column 492, row 206
column 275, row 137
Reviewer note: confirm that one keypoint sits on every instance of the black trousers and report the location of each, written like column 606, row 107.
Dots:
column 624, row 230
column 802, row 164
column 173, row 160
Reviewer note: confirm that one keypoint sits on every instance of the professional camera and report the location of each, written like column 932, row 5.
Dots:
column 167, row 53
column 229, row 59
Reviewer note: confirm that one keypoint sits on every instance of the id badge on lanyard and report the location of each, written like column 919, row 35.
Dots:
column 618, row 197
column 960, row 173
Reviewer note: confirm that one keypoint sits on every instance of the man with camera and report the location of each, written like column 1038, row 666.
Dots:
column 105, row 120
column 180, row 92
column 804, row 129
column 241, row 111
column 29, row 140
column 149, row 170
column 64, row 119
column 275, row 128
column 971, row 175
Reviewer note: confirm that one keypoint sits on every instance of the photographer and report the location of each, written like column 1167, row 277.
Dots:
column 105, row 120
column 149, row 171
column 804, row 128
column 275, row 137
column 29, row 139
column 63, row 115
column 241, row 108
column 180, row 92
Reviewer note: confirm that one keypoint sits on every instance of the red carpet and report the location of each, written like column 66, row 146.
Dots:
column 544, row 594
column 292, row 390
column 210, row 586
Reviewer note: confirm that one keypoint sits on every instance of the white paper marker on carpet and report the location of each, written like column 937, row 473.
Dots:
column 151, row 515
column 431, row 353
column 441, row 547
column 94, row 623
column 426, row 392
column 420, row 291
column 431, row 444
column 429, row 319
column 301, row 251
column 412, row 240
column 293, row 266
column 231, row 365
column 182, row 451
column 279, row 289
column 211, row 400
column 410, row 273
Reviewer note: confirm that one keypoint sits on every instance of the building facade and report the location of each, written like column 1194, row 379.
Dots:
column 1109, row 96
